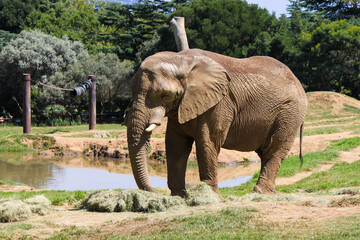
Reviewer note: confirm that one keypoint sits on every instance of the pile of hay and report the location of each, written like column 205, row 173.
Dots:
column 142, row 201
column 201, row 194
column 12, row 210
column 345, row 191
column 130, row 200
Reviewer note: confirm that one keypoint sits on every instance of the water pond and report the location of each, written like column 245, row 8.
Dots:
column 81, row 173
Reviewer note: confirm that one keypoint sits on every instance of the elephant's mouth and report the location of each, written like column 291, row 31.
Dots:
column 156, row 118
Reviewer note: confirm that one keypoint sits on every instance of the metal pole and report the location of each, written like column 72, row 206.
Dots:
column 92, row 103
column 27, row 104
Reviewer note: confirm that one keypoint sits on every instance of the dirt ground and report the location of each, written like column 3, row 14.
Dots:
column 303, row 209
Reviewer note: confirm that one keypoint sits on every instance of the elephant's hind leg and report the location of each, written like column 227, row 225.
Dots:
column 272, row 155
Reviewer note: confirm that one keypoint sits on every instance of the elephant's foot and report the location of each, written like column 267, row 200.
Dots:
column 216, row 190
column 264, row 189
column 181, row 193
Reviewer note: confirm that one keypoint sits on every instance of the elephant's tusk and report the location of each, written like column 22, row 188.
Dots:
column 151, row 127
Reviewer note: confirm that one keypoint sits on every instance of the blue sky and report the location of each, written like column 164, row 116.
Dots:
column 277, row 6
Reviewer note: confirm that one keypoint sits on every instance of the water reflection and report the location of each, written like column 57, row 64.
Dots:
column 80, row 173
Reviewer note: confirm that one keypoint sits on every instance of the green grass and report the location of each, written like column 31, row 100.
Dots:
column 15, row 231
column 351, row 109
column 236, row 223
column 242, row 189
column 341, row 175
column 334, row 121
column 2, row 182
column 345, row 144
column 330, row 130
column 291, row 165
column 227, row 223
column 68, row 233
column 56, row 197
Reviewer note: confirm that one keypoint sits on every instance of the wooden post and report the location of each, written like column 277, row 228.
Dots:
column 27, row 104
column 178, row 25
column 92, row 103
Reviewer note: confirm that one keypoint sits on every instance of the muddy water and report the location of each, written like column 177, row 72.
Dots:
column 81, row 173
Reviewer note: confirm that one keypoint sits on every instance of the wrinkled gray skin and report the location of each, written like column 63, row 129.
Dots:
column 252, row 104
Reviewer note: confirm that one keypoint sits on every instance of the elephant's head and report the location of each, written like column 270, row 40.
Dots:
column 180, row 85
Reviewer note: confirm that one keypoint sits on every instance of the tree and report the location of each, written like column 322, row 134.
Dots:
column 5, row 38
column 129, row 26
column 14, row 12
column 333, row 9
column 75, row 19
column 112, row 78
column 40, row 55
column 223, row 26
column 331, row 56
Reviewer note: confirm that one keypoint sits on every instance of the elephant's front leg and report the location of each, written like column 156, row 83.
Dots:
column 178, row 148
column 207, row 152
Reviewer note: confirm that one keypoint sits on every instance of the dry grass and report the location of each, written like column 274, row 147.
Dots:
column 12, row 210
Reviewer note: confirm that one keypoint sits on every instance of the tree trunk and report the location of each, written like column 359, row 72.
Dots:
column 178, row 25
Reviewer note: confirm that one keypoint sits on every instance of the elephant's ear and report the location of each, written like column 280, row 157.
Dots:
column 206, row 84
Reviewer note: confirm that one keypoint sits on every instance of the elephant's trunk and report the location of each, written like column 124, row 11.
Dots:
column 138, row 144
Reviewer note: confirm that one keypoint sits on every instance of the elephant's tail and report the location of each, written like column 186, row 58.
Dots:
column 301, row 138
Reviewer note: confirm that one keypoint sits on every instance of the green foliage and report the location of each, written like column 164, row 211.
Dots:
column 61, row 63
column 333, row 10
column 223, row 26
column 5, row 38
column 40, row 55
column 75, row 19
column 321, row 52
column 127, row 27
column 330, row 53
column 14, row 12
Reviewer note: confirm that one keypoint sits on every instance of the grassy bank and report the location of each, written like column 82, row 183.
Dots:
column 313, row 160
column 12, row 139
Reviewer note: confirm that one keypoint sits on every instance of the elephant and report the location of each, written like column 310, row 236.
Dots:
column 249, row 104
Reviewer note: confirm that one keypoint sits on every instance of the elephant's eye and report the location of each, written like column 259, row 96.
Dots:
column 164, row 96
